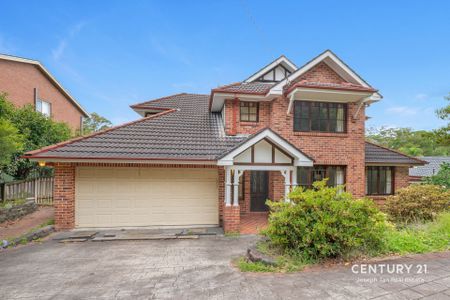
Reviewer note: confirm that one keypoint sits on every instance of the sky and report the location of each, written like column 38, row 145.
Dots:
column 111, row 54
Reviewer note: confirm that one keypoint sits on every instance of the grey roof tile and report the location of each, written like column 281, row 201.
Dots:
column 430, row 169
column 246, row 88
column 378, row 154
column 190, row 132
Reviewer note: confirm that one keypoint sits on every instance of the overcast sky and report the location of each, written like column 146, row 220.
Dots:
column 110, row 54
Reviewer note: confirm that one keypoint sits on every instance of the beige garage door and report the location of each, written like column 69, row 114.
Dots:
column 122, row 197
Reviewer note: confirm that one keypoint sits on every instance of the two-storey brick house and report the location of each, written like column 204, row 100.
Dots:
column 28, row 82
column 205, row 160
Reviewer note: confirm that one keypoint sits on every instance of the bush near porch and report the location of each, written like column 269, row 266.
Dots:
column 325, row 223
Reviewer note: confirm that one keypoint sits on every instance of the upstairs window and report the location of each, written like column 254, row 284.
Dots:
column 307, row 175
column 44, row 107
column 249, row 111
column 379, row 180
column 319, row 116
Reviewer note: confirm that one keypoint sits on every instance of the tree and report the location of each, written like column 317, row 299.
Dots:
column 442, row 178
column 415, row 143
column 36, row 130
column 443, row 134
column 95, row 123
column 10, row 141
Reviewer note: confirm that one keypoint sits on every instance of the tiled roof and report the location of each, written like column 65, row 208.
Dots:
column 377, row 154
column 190, row 132
column 333, row 86
column 260, row 88
column 433, row 166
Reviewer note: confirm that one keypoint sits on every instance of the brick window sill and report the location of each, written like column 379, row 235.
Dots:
column 249, row 124
column 321, row 134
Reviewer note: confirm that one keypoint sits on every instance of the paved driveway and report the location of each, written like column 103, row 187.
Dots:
column 195, row 269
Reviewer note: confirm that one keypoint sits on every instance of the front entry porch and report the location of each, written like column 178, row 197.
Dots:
column 264, row 167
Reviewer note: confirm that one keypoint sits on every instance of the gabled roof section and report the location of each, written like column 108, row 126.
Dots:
column 282, row 60
column 41, row 67
column 379, row 155
column 187, row 131
column 332, row 61
column 300, row 158
column 251, row 88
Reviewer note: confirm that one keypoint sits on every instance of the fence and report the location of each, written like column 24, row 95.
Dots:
column 41, row 189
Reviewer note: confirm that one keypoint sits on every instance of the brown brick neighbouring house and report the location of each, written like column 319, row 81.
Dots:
column 27, row 81
column 208, row 160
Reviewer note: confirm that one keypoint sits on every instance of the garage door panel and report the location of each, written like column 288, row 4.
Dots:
column 115, row 197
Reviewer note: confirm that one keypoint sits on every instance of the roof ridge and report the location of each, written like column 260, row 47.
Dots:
column 157, row 99
column 32, row 153
column 398, row 152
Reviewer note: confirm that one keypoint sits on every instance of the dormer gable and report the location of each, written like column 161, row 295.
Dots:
column 275, row 71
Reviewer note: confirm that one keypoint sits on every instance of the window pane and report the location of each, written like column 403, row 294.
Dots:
column 39, row 105
column 304, row 110
column 304, row 124
column 382, row 187
column 389, row 181
column 331, row 175
column 303, row 176
column 315, row 117
column 340, row 118
column 374, row 181
column 252, row 117
column 340, row 176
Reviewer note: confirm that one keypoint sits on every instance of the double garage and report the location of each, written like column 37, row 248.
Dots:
column 135, row 196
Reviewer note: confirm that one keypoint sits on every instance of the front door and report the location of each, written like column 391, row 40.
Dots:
column 259, row 189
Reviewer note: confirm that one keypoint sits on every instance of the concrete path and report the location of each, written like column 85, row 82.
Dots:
column 199, row 269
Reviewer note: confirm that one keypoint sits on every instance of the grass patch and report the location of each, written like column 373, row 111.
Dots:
column 420, row 238
column 12, row 203
column 248, row 266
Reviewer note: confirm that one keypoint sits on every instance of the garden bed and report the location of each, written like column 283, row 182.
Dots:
column 12, row 210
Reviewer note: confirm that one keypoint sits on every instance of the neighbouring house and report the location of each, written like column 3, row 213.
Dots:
column 418, row 173
column 27, row 81
column 200, row 160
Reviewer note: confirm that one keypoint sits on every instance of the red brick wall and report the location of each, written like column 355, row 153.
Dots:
column 231, row 219
column 64, row 196
column 325, row 148
column 18, row 80
column 232, row 112
column 321, row 73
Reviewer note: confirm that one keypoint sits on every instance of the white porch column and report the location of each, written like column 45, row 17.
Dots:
column 227, row 186
column 287, row 183
column 237, row 174
column 294, row 177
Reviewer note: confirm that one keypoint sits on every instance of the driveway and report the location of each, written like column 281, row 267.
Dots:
column 196, row 269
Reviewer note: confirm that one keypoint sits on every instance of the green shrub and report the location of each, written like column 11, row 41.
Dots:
column 326, row 222
column 417, row 203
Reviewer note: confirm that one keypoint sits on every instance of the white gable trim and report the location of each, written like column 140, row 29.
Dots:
column 281, row 60
column 333, row 62
column 299, row 158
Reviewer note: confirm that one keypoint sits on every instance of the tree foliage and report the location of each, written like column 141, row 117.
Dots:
column 37, row 131
column 95, row 123
column 406, row 140
column 442, row 178
column 10, row 141
column 443, row 134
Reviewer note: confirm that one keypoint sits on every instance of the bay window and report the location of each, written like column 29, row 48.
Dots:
column 379, row 180
column 307, row 175
column 319, row 116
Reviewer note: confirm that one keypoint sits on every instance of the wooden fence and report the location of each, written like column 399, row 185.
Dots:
column 41, row 189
